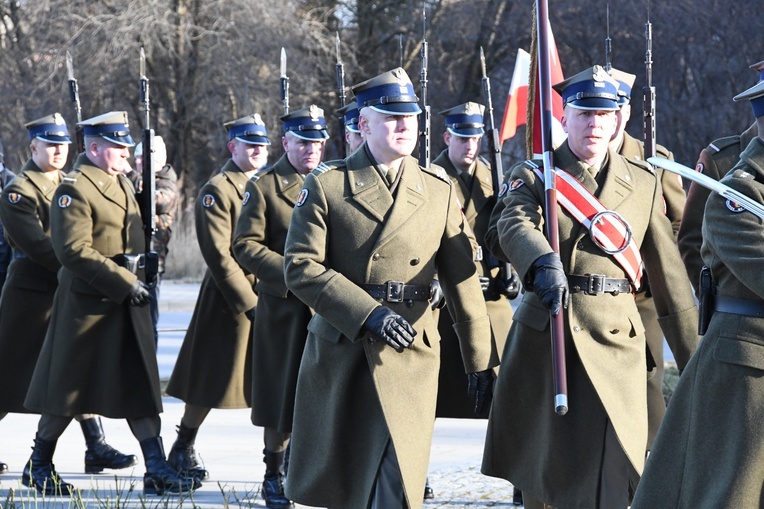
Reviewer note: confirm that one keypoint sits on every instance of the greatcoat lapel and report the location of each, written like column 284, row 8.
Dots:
column 481, row 192
column 619, row 182
column 235, row 176
column 288, row 181
column 410, row 197
column 40, row 181
column 106, row 185
column 368, row 189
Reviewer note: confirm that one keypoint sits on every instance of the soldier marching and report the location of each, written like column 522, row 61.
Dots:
column 320, row 305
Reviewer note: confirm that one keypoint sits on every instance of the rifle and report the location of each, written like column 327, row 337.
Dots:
column 648, row 92
column 508, row 279
column 550, row 194
column 424, row 120
column 284, row 82
column 74, row 94
column 340, row 67
column 147, row 196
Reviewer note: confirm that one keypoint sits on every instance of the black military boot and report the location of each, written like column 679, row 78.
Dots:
column 99, row 454
column 160, row 477
column 3, row 468
column 273, row 484
column 428, row 493
column 183, row 457
column 40, row 473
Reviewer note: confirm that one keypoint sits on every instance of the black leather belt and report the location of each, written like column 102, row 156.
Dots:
column 397, row 291
column 743, row 307
column 593, row 284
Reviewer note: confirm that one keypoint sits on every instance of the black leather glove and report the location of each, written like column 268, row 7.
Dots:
column 392, row 328
column 437, row 297
column 250, row 313
column 485, row 282
column 139, row 294
column 550, row 282
column 480, row 388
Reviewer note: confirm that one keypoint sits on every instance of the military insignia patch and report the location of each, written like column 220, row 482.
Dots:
column 503, row 189
column 246, row 198
column 14, row 197
column 302, row 197
column 516, row 184
column 699, row 167
column 208, row 201
column 64, row 201
column 734, row 206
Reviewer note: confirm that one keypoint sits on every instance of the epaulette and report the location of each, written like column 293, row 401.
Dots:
column 439, row 172
column 262, row 171
column 484, row 161
column 722, row 143
column 742, row 174
column 323, row 167
column 644, row 165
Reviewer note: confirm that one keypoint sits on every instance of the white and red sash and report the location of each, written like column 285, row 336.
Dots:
column 583, row 205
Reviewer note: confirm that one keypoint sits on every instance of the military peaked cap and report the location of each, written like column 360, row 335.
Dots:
column 306, row 123
column 465, row 120
column 391, row 93
column 51, row 129
column 249, row 129
column 110, row 126
column 592, row 89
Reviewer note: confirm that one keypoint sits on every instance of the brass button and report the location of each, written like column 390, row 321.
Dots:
column 375, row 257
column 576, row 328
column 415, row 261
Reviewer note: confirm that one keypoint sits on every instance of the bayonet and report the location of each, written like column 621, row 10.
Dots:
column 340, row 71
column 608, row 44
column 74, row 95
column 284, row 82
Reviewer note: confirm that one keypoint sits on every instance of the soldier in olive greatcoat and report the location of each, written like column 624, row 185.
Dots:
column 365, row 241
column 282, row 319
column 674, row 199
column 27, row 298
column 714, row 161
column 589, row 457
column 99, row 356
column 708, row 452
column 214, row 366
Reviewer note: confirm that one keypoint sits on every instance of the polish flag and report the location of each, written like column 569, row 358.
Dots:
column 517, row 103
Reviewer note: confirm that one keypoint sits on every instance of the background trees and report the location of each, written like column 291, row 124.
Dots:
column 214, row 60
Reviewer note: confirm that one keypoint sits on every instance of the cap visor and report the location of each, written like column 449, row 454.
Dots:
column 254, row 140
column 398, row 108
column 594, row 103
column 353, row 129
column 124, row 141
column 56, row 140
column 312, row 135
column 469, row 132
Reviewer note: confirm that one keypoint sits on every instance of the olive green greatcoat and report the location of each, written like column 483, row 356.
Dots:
column 282, row 319
column 709, row 451
column 27, row 298
column 477, row 200
column 673, row 199
column 99, row 355
column 214, row 366
column 558, row 459
column 714, row 161
column 353, row 395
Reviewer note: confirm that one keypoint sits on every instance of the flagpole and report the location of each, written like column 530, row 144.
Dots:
column 550, row 193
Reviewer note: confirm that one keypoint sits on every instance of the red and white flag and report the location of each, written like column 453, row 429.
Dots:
column 517, row 102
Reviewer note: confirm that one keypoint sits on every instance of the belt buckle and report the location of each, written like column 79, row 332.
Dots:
column 595, row 284
column 394, row 291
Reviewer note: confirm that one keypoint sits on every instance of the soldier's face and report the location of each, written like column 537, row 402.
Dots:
column 248, row 157
column 388, row 136
column 462, row 151
column 109, row 157
column 304, row 155
column 354, row 140
column 49, row 156
column 589, row 132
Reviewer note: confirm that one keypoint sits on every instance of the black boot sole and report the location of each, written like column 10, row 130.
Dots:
column 57, row 490
column 152, row 487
